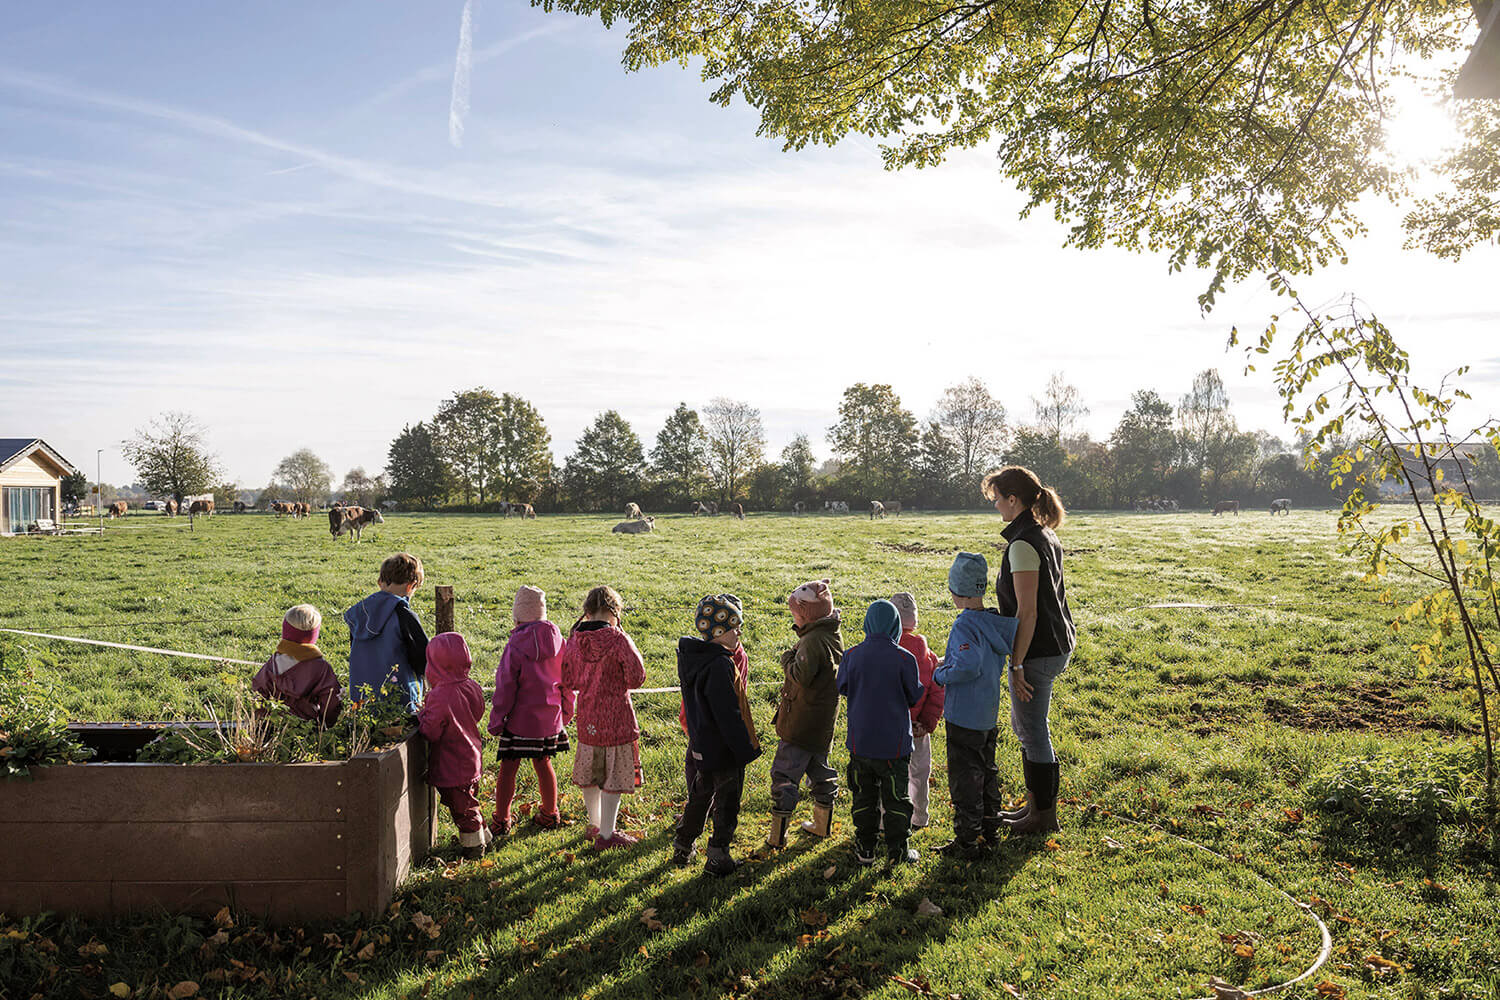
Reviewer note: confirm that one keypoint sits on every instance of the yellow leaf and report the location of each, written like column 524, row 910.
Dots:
column 1244, row 950
column 183, row 990
column 120, row 990
column 366, row 953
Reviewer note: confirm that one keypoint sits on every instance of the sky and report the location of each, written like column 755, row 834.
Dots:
column 281, row 218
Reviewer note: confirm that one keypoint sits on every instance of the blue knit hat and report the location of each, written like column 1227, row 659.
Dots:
column 883, row 619
column 969, row 575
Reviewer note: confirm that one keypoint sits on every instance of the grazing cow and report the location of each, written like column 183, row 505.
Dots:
column 305, row 509
column 1283, row 506
column 352, row 521
column 877, row 509
column 170, row 508
column 118, row 509
column 505, row 507
column 892, row 507
column 836, row 506
column 634, row 527
column 205, row 507
column 798, row 507
column 737, row 509
column 633, row 510
column 524, row 510
column 1226, row 506
column 700, row 509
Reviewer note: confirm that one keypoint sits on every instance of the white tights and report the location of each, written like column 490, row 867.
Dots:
column 603, row 809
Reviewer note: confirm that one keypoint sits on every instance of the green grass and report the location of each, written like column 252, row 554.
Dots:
column 1203, row 723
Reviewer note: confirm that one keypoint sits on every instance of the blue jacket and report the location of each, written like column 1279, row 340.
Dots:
column 717, row 736
column 880, row 680
column 973, row 670
column 386, row 644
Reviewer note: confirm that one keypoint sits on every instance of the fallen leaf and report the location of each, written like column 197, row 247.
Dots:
column 1053, row 845
column 366, row 953
column 1380, row 963
column 814, row 917
column 433, row 956
column 1207, row 810
column 829, row 871
column 120, row 990
column 353, row 977
column 648, row 917
column 1293, row 816
column 222, row 919
column 426, row 924
column 927, row 908
column 93, row 949
column 1225, row 991
column 332, row 940
column 1196, row 909
column 1244, row 950
column 1329, row 990
column 183, row 990
column 918, row 986
column 1007, row 987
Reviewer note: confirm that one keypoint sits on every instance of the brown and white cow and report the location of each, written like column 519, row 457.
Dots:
column 523, row 510
column 304, row 509
column 170, row 508
column 877, row 509
column 205, row 507
column 352, row 521
column 634, row 527
column 118, row 509
column 633, row 510
column 1227, row 506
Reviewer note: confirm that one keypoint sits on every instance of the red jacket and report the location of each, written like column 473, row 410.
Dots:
column 451, row 714
column 602, row 665
column 929, row 708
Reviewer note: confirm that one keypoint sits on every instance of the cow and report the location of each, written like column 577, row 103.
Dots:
column 169, row 509
column 1282, row 505
column 240, row 506
column 305, row 509
column 205, row 507
column 634, row 527
column 505, row 508
column 737, row 509
column 877, row 509
column 701, row 509
column 633, row 510
column 279, row 507
column 892, row 507
column 523, row 510
column 798, row 507
column 352, row 521
column 118, row 509
column 836, row 506
column 1226, row 506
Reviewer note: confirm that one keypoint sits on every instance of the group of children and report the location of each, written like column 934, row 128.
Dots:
column 895, row 688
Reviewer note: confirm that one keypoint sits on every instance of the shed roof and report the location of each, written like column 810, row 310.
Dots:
column 12, row 450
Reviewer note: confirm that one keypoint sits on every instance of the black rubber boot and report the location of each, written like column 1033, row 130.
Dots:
column 1041, row 789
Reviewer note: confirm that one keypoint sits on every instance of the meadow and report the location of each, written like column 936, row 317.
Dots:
column 1180, row 729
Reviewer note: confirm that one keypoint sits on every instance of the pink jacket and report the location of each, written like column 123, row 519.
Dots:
column 602, row 665
column 929, row 708
column 451, row 714
column 529, row 699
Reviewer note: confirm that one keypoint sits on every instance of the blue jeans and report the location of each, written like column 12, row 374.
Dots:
column 1028, row 719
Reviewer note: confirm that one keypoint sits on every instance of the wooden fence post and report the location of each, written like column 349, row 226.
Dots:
column 444, row 596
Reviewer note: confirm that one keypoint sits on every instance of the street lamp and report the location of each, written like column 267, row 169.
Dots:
column 99, row 488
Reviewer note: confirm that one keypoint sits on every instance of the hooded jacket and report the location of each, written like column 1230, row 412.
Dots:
column 880, row 680
column 973, row 670
column 386, row 639
column 450, row 717
column 809, row 696
column 602, row 665
column 298, row 675
column 529, row 698
column 718, row 737
column 929, row 708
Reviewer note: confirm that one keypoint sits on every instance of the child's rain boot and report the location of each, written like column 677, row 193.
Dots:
column 779, row 823
column 472, row 842
column 821, row 825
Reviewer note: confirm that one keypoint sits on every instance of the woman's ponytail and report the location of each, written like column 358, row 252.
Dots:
column 1048, row 509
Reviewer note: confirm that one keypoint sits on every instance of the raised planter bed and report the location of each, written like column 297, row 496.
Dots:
column 283, row 841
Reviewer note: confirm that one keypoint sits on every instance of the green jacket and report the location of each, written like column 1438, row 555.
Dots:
column 809, row 695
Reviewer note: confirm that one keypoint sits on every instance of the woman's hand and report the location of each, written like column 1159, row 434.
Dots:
column 1019, row 685
column 917, row 731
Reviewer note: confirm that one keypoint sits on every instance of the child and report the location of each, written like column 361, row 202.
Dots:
column 880, row 680
column 449, row 721
column 531, row 709
column 721, row 736
column 386, row 641
column 602, row 665
column 806, row 713
column 741, row 686
column 297, row 674
column 925, row 714
column 973, row 671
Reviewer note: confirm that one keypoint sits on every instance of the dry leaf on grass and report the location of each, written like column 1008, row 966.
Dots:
column 1329, row 990
column 93, row 949
column 648, row 917
column 1113, row 844
column 1293, row 816
column 366, row 953
column 1379, row 963
column 120, row 990
column 426, row 924
column 927, row 908
column 1244, row 950
column 222, row 919
column 829, row 872
column 918, row 986
column 1009, row 988
column 814, row 917
column 183, row 990
column 433, row 956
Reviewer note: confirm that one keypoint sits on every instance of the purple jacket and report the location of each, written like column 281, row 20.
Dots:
column 451, row 715
column 529, row 698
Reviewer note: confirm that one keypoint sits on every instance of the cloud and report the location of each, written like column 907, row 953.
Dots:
column 463, row 64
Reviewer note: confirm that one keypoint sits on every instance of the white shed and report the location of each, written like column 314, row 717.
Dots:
column 31, row 475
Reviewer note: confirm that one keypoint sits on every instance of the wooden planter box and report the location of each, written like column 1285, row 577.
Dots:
column 282, row 841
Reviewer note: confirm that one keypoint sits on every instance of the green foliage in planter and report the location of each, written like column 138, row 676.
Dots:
column 33, row 729
column 1399, row 800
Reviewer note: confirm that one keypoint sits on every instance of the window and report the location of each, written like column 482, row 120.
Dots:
column 25, row 504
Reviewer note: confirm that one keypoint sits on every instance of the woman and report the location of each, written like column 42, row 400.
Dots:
column 1030, row 588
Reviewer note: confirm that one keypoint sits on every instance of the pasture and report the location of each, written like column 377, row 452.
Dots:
column 1206, row 725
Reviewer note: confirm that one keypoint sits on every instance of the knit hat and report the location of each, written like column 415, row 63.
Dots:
column 969, row 575
column 815, row 597
column 530, row 605
column 907, row 605
column 302, row 624
column 883, row 619
column 717, row 614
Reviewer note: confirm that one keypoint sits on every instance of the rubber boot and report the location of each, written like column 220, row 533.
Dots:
column 779, row 823
column 1010, row 816
column 821, row 825
column 472, row 844
column 1042, row 781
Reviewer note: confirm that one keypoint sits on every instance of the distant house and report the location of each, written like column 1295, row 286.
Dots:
column 31, row 474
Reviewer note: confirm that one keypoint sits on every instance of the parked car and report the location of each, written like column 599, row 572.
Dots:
column 154, row 505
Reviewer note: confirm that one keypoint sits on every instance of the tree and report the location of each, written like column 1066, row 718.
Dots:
column 75, row 487
column 1060, row 407
column 1144, row 447
column 170, row 457
column 877, row 438
column 681, row 454
column 1041, row 451
column 467, row 428
column 1203, row 417
column 523, row 456
column 418, row 476
column 736, row 443
column 303, row 476
column 797, row 464
column 942, row 477
column 974, row 421
column 362, row 490
column 225, row 494
column 604, row 472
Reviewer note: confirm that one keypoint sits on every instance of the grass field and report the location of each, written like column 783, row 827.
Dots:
column 1206, row 724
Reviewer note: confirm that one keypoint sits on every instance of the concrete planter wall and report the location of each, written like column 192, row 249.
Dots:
column 287, row 842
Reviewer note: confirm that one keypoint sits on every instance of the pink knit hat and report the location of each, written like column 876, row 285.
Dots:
column 530, row 605
column 815, row 598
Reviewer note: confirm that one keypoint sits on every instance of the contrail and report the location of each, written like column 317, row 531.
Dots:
column 458, row 110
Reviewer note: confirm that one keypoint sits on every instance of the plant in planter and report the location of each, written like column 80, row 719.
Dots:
column 33, row 729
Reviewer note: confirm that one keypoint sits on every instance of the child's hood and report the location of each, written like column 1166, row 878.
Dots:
column 367, row 619
column 999, row 631
column 695, row 657
column 448, row 659
column 596, row 643
column 538, row 640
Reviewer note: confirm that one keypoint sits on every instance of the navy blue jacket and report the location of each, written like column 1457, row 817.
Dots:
column 880, row 680
column 717, row 737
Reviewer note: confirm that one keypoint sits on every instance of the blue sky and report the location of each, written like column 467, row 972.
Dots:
column 254, row 213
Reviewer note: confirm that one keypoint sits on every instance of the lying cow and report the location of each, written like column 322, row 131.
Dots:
column 352, row 521
column 1282, row 506
column 836, row 506
column 1227, row 506
column 205, row 507
column 633, row 510
column 240, row 506
column 634, row 527
column 118, row 509
column 700, row 509
column 877, row 509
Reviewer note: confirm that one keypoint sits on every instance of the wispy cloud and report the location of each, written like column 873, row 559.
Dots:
column 463, row 64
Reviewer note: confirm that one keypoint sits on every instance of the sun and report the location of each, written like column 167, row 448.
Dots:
column 1420, row 131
